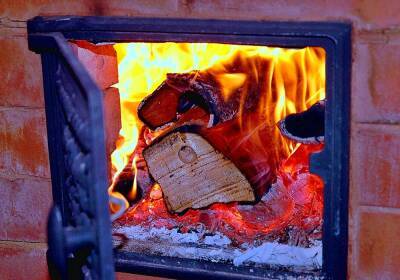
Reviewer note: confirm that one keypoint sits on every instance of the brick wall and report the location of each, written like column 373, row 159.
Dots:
column 375, row 135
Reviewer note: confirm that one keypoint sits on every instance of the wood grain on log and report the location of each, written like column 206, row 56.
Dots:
column 192, row 174
column 160, row 107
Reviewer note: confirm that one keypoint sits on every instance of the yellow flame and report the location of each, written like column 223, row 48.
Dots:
column 132, row 194
column 230, row 82
column 292, row 79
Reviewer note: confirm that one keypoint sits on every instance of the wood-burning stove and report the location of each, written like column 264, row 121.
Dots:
column 79, row 229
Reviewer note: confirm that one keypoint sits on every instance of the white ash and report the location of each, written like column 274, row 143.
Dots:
column 140, row 233
column 217, row 239
column 281, row 254
column 217, row 247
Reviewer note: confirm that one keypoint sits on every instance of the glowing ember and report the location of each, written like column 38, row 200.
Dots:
column 292, row 209
column 282, row 81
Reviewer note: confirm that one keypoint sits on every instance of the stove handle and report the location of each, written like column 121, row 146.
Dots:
column 64, row 241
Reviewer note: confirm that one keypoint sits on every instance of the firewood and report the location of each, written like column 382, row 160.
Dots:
column 253, row 145
column 203, row 90
column 189, row 121
column 193, row 174
column 159, row 108
column 180, row 92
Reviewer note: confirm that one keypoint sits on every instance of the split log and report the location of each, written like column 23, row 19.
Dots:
column 253, row 145
column 306, row 127
column 193, row 174
column 190, row 121
column 180, row 92
column 160, row 107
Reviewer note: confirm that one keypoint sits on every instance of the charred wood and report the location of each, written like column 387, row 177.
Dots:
column 180, row 92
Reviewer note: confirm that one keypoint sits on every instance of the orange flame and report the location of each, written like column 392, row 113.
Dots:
column 290, row 80
column 132, row 194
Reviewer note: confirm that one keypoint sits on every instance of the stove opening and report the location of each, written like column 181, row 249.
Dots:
column 212, row 157
column 219, row 149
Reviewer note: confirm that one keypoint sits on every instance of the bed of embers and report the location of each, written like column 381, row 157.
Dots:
column 285, row 204
column 290, row 212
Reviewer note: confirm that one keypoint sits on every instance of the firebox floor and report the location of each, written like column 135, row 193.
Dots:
column 215, row 248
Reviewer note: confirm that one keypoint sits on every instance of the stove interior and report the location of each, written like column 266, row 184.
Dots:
column 212, row 157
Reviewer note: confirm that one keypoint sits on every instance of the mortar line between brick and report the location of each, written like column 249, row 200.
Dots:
column 15, row 176
column 13, row 19
column 11, row 36
column 355, row 245
column 377, row 123
column 20, row 107
column 4, row 25
column 21, row 241
column 353, row 226
column 382, row 209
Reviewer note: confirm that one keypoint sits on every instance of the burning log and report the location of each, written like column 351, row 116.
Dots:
column 306, row 127
column 249, row 139
column 253, row 145
column 159, row 108
column 193, row 174
column 180, row 92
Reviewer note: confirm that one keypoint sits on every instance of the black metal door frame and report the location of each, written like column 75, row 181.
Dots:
column 332, row 164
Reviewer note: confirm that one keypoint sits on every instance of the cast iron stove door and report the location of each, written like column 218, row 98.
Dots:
column 79, row 230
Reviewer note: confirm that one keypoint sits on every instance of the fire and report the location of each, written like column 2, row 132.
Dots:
column 287, row 80
column 293, row 205
column 132, row 194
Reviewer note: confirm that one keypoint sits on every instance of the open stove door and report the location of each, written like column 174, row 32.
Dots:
column 79, row 228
